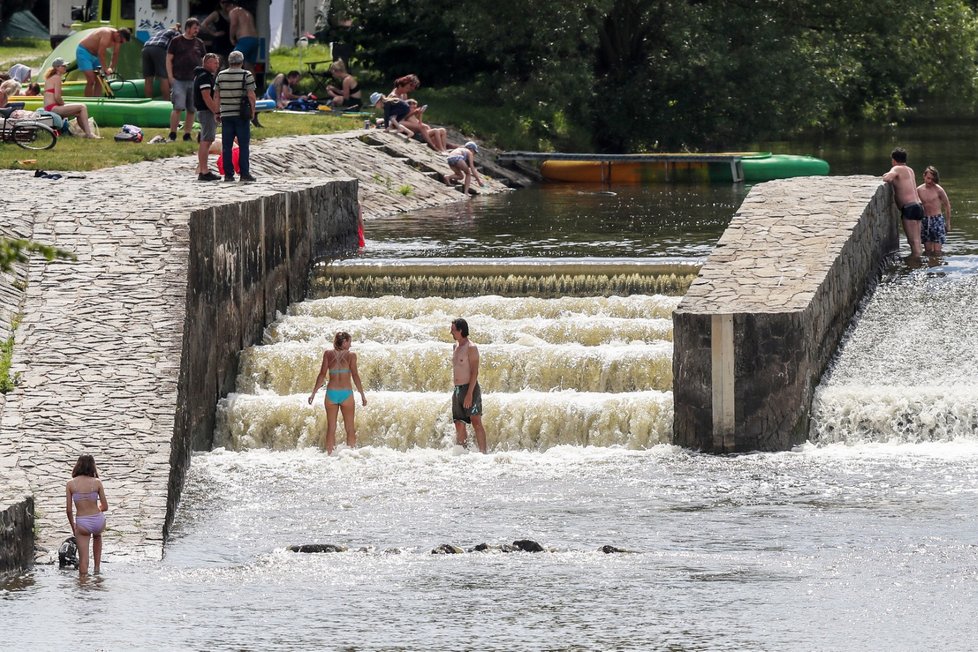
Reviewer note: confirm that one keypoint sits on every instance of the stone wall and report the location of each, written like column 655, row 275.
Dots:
column 124, row 352
column 247, row 262
column 17, row 535
column 760, row 323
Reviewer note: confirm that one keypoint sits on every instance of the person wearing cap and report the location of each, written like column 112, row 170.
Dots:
column 154, row 60
column 90, row 54
column 54, row 103
column 395, row 110
column 236, row 98
column 461, row 160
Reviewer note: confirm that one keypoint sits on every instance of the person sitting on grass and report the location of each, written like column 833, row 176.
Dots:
column 54, row 103
column 347, row 95
column 395, row 110
column 281, row 89
column 461, row 160
column 8, row 89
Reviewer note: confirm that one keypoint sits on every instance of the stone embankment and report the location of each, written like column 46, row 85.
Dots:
column 757, row 328
column 124, row 352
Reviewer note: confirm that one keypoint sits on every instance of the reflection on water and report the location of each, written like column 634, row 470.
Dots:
column 841, row 548
column 562, row 220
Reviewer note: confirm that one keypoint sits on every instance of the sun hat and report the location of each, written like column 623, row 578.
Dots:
column 471, row 145
column 375, row 97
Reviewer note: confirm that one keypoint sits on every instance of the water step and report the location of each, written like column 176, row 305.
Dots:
column 524, row 266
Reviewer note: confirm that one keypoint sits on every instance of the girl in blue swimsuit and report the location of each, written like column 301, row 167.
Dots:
column 340, row 365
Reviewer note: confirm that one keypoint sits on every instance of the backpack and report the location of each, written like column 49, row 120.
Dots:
column 129, row 133
column 68, row 553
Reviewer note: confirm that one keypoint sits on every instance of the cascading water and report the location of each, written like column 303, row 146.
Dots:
column 592, row 370
column 908, row 371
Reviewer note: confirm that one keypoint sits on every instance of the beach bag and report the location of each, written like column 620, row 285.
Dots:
column 76, row 129
column 129, row 133
column 235, row 156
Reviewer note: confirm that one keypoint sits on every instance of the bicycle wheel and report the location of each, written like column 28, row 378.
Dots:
column 34, row 136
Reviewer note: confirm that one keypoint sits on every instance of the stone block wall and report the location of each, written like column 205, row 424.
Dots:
column 757, row 328
column 247, row 261
column 17, row 535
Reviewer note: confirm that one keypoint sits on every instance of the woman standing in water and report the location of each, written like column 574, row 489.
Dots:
column 86, row 492
column 341, row 367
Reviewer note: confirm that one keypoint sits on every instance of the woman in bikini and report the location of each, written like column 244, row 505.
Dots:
column 341, row 367
column 86, row 492
column 54, row 103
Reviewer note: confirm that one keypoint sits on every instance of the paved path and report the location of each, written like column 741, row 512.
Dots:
column 99, row 345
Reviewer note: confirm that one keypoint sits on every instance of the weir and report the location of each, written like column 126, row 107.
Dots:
column 758, row 326
column 124, row 352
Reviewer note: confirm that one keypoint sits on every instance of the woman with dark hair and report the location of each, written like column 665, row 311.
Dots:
column 85, row 490
column 405, row 85
column 341, row 367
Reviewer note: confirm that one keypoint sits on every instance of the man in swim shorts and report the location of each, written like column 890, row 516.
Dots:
column 901, row 177
column 467, row 396
column 244, row 34
column 90, row 54
column 937, row 211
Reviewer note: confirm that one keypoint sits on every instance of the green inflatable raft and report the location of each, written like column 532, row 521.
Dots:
column 115, row 112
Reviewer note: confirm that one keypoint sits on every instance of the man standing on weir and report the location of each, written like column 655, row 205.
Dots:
column 467, row 397
column 904, row 183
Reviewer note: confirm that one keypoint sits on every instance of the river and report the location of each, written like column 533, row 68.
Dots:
column 863, row 538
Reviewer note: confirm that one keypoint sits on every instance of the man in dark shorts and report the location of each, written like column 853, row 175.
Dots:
column 467, row 396
column 207, row 110
column 154, row 60
column 904, row 183
column 183, row 55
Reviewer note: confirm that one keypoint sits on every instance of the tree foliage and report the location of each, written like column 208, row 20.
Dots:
column 18, row 251
column 10, row 7
column 641, row 74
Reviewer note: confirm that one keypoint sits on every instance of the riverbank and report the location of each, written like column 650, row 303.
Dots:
column 100, row 347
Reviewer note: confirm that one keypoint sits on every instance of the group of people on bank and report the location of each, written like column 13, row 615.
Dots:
column 925, row 209
column 340, row 374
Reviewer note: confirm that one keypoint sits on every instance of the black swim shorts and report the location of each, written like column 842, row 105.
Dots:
column 459, row 413
column 912, row 211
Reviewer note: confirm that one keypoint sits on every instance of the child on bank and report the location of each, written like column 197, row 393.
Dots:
column 461, row 160
column 395, row 110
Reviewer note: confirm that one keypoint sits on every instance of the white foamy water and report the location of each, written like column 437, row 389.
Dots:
column 578, row 371
column 839, row 547
column 908, row 372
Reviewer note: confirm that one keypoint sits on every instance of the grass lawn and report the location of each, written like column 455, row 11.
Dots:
column 477, row 113
column 72, row 153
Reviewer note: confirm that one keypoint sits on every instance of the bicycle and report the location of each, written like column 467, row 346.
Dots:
column 29, row 134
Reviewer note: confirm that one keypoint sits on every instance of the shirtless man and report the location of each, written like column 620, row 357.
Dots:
column 467, row 397
column 905, row 193
column 90, row 54
column 244, row 34
column 936, row 224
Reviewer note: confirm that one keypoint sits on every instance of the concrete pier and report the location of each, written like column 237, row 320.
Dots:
column 758, row 326
column 124, row 353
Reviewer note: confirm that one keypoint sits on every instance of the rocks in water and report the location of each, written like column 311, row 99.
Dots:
column 528, row 545
column 447, row 549
column 485, row 547
column 610, row 550
column 318, row 547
